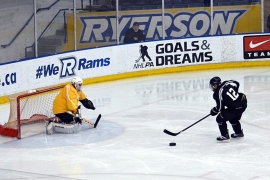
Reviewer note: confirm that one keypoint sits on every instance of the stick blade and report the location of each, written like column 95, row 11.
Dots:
column 98, row 118
column 170, row 133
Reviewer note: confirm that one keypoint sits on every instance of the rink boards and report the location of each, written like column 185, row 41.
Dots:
column 125, row 61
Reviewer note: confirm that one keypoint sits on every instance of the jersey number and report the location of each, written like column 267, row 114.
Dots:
column 234, row 95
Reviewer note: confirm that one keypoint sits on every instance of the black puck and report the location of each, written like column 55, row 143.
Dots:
column 172, row 144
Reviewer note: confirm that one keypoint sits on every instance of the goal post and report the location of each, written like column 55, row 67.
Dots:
column 29, row 107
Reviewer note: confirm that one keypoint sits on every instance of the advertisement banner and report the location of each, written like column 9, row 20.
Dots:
column 114, row 60
column 256, row 47
column 99, row 29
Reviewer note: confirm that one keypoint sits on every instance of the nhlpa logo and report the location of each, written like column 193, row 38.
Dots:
column 68, row 66
column 143, row 54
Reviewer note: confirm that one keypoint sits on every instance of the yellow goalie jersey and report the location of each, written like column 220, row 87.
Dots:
column 67, row 100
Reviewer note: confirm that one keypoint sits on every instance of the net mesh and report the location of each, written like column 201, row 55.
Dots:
column 26, row 108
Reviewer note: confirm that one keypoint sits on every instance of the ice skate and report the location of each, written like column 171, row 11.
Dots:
column 241, row 134
column 225, row 138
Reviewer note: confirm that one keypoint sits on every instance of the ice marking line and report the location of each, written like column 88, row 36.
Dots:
column 31, row 173
column 260, row 127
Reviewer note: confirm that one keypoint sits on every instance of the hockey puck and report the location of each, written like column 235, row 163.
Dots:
column 172, row 144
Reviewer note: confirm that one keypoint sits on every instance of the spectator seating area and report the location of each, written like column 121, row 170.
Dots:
column 156, row 4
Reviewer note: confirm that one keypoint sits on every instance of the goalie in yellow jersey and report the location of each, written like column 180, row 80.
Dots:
column 65, row 107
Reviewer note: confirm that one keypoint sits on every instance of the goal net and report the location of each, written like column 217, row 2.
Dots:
column 28, row 108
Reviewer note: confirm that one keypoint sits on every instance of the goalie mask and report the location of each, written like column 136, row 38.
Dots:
column 214, row 83
column 77, row 83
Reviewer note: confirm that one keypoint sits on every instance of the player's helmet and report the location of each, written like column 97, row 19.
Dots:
column 77, row 83
column 214, row 83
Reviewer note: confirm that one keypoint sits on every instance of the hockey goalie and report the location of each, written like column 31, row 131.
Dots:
column 66, row 108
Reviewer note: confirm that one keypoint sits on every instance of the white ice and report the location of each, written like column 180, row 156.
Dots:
column 129, row 143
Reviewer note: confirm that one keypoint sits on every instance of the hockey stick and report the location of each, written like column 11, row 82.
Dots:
column 86, row 121
column 175, row 134
column 136, row 61
column 90, row 123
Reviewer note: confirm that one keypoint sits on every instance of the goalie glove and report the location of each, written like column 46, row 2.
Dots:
column 87, row 104
column 214, row 111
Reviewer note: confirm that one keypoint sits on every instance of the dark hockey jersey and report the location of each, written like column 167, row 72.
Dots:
column 227, row 95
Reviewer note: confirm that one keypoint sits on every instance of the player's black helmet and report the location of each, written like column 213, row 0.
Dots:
column 214, row 83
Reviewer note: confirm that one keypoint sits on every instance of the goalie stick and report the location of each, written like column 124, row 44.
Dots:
column 93, row 125
column 86, row 121
column 175, row 134
column 90, row 123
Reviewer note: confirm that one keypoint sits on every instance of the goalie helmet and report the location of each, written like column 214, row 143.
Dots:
column 77, row 83
column 214, row 83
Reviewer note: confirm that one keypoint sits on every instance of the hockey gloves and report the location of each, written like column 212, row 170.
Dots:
column 87, row 104
column 214, row 111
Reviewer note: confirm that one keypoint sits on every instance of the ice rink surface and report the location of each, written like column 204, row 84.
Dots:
column 129, row 143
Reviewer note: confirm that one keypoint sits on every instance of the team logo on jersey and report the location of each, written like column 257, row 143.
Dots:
column 256, row 47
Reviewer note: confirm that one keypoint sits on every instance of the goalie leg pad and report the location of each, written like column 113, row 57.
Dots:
column 67, row 128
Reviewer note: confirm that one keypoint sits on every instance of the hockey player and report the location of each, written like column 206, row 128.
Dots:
column 65, row 107
column 230, row 105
